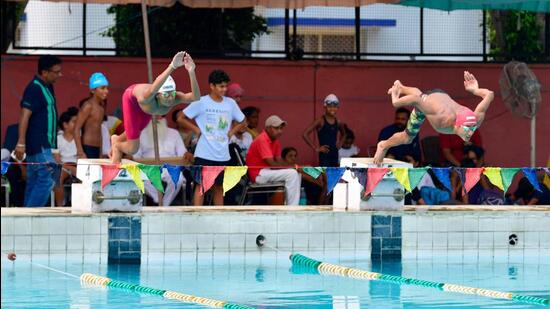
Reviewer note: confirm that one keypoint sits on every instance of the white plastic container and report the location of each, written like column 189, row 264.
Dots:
column 121, row 194
column 388, row 195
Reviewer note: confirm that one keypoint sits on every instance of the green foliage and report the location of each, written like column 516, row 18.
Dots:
column 183, row 28
column 520, row 36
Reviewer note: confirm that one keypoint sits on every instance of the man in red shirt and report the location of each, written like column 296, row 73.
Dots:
column 264, row 156
column 452, row 147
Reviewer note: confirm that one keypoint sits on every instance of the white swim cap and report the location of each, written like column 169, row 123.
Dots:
column 169, row 85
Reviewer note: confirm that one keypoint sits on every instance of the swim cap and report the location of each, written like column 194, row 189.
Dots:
column 98, row 80
column 169, row 85
column 332, row 99
column 465, row 117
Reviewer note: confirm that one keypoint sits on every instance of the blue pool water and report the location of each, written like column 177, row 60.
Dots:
column 268, row 281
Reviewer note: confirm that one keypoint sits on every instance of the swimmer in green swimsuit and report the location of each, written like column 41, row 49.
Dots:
column 444, row 114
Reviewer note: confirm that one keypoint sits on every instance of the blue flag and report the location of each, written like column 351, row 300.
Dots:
column 333, row 176
column 174, row 171
column 196, row 172
column 56, row 172
column 531, row 175
column 5, row 166
column 461, row 171
column 442, row 174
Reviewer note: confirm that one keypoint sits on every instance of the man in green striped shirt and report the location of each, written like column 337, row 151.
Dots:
column 38, row 131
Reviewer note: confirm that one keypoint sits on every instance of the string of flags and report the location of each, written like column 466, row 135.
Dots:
column 369, row 178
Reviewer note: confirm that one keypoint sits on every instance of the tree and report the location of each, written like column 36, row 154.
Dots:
column 516, row 35
column 205, row 31
column 11, row 14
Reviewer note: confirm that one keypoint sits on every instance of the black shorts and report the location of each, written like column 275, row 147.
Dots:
column 205, row 162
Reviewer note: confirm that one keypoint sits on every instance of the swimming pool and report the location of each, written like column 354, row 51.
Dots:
column 267, row 280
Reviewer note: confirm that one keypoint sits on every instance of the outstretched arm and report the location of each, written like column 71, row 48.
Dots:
column 471, row 85
column 150, row 92
column 195, row 93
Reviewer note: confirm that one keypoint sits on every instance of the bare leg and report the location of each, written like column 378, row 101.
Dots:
column 397, row 139
column 411, row 95
column 218, row 195
column 198, row 198
column 123, row 145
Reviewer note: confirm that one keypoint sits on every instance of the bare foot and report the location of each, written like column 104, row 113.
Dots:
column 380, row 153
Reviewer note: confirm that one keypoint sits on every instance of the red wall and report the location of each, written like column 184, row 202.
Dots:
column 294, row 91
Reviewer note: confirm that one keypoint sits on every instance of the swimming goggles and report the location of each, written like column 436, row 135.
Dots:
column 168, row 94
column 332, row 103
column 469, row 128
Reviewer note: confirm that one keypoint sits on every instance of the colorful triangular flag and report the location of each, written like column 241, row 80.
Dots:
column 531, row 175
column 374, row 176
column 231, row 177
column 135, row 174
column 507, row 177
column 442, row 174
column 401, row 174
column 494, row 175
column 5, row 166
column 416, row 175
column 174, row 171
column 108, row 173
column 209, row 174
column 334, row 174
column 361, row 174
column 472, row 177
column 153, row 173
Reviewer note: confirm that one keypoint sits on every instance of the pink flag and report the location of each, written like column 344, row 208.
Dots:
column 209, row 174
column 374, row 176
column 472, row 177
column 108, row 173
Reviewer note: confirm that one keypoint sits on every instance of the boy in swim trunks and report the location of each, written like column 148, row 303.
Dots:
column 444, row 114
column 141, row 101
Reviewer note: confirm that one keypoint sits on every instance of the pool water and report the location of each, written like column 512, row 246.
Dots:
column 267, row 280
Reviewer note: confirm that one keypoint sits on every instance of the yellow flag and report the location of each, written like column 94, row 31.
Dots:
column 232, row 175
column 135, row 173
column 493, row 173
column 402, row 175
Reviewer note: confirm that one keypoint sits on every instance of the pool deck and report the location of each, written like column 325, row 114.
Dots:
column 66, row 211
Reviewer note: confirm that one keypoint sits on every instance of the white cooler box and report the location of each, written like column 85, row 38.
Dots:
column 388, row 195
column 121, row 194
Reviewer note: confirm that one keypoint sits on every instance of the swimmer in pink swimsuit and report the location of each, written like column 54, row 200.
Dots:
column 444, row 114
column 141, row 101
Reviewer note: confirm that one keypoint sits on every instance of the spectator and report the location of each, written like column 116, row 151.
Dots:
column 235, row 92
column 38, row 131
column 214, row 114
column 452, row 147
column 406, row 152
column 190, row 138
column 315, row 188
column 170, row 145
column 349, row 149
column 264, row 156
column 243, row 139
column 330, row 133
column 252, row 114
column 65, row 154
column 527, row 195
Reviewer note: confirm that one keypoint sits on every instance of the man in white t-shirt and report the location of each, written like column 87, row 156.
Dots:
column 214, row 114
column 170, row 145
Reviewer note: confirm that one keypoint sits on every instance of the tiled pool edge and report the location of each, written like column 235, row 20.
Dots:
column 420, row 233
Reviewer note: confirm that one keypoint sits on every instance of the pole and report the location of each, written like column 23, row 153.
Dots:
column 84, row 28
column 534, row 141
column 357, row 33
column 150, row 80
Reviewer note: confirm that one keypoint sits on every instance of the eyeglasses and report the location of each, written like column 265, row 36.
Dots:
column 469, row 128
column 168, row 94
column 332, row 103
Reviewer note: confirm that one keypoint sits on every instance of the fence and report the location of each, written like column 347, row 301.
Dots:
column 379, row 31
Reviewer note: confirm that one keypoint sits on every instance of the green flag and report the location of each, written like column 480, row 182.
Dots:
column 507, row 176
column 415, row 175
column 153, row 173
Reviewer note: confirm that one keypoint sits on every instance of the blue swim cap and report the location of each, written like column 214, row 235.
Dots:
column 98, row 80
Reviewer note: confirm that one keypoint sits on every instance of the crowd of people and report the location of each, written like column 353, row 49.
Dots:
column 210, row 125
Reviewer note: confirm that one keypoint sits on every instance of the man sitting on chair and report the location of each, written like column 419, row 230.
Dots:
column 266, row 165
column 170, row 145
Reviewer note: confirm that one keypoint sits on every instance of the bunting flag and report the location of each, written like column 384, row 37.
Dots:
column 5, row 166
column 401, row 174
column 135, row 173
column 232, row 176
column 314, row 172
column 56, row 172
column 334, row 174
column 442, row 174
column 531, row 175
column 507, row 177
column 461, row 171
column 361, row 174
column 472, row 177
column 209, row 174
column 494, row 175
column 153, row 173
column 174, row 171
column 108, row 173
column 374, row 176
column 196, row 172
column 416, row 175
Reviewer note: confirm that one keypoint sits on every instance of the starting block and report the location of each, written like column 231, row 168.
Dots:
column 121, row 194
column 388, row 195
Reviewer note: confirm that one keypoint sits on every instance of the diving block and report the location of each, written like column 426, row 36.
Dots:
column 388, row 195
column 121, row 194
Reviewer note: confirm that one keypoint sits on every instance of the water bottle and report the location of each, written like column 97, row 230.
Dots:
column 303, row 197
